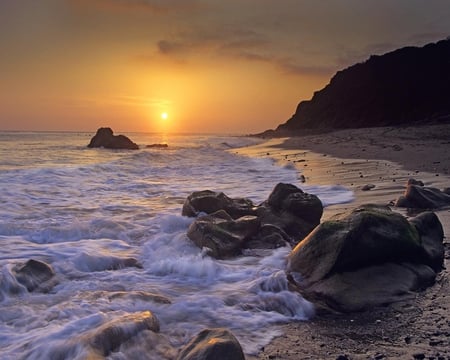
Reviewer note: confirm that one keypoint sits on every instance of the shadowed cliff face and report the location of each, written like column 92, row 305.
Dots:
column 406, row 86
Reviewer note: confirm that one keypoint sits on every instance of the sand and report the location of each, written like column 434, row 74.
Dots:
column 386, row 158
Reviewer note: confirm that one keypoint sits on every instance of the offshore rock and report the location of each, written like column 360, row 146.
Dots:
column 371, row 257
column 106, row 138
column 212, row 344
column 236, row 224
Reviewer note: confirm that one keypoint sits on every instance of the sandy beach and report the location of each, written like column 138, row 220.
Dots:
column 384, row 158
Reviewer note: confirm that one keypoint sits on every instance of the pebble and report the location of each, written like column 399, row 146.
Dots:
column 342, row 357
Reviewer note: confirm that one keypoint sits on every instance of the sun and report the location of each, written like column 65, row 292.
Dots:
column 164, row 115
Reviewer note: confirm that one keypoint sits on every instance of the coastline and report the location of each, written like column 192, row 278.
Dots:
column 385, row 158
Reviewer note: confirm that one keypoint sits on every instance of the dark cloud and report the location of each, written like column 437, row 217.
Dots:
column 170, row 47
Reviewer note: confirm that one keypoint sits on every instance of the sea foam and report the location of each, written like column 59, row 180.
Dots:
column 87, row 212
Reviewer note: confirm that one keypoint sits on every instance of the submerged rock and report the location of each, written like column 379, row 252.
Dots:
column 99, row 342
column 212, row 344
column 371, row 257
column 35, row 275
column 138, row 295
column 114, row 333
column 232, row 225
column 106, row 138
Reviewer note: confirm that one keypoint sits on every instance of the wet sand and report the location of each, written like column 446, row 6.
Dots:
column 384, row 158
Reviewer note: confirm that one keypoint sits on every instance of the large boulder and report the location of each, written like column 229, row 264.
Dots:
column 106, row 138
column 232, row 225
column 212, row 344
column 372, row 256
column 292, row 210
column 422, row 197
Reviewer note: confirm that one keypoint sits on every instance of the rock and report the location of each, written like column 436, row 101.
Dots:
column 372, row 256
column 287, row 216
column 291, row 199
column 422, row 197
column 431, row 232
column 368, row 187
column 208, row 202
column 138, row 295
column 88, row 262
column 221, row 234
column 105, row 138
column 35, row 275
column 212, row 344
column 412, row 181
column 112, row 334
column 157, row 146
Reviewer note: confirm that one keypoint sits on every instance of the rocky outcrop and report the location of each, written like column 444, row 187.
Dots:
column 212, row 344
column 373, row 256
column 232, row 225
column 35, row 275
column 105, row 138
column 405, row 86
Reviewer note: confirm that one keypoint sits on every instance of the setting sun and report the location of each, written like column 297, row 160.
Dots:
column 164, row 116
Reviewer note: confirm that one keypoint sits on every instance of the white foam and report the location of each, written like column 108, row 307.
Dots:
column 84, row 211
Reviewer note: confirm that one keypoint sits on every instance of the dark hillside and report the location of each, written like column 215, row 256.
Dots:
column 407, row 86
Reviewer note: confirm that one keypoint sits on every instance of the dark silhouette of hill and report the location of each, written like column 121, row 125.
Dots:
column 404, row 87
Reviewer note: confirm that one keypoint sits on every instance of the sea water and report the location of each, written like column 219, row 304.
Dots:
column 81, row 210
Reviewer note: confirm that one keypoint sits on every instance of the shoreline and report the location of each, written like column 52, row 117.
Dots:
column 385, row 158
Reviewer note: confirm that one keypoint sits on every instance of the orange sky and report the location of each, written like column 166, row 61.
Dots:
column 212, row 66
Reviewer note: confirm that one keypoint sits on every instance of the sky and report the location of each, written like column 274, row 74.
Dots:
column 212, row 66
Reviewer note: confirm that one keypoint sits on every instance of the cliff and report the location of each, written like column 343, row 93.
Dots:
column 407, row 86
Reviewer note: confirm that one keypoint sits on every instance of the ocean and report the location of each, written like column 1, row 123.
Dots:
column 82, row 210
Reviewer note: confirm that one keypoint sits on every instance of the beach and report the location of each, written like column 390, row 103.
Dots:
column 384, row 159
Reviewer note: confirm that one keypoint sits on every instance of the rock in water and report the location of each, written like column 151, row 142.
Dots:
column 223, row 236
column 208, row 201
column 212, row 344
column 235, row 224
column 114, row 333
column 35, row 275
column 371, row 257
column 106, row 138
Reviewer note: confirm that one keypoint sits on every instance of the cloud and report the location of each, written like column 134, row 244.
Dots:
column 167, row 47
column 148, row 6
column 223, row 40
